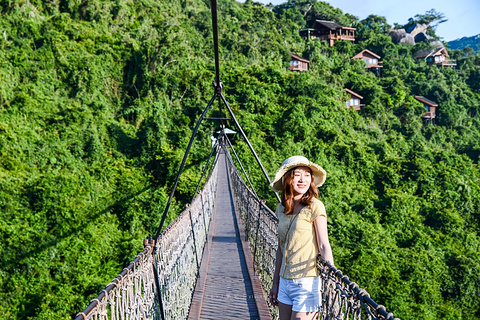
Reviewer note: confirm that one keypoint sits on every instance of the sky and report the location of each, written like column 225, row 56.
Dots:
column 463, row 15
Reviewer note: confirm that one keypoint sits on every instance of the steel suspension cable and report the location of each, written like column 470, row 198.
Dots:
column 248, row 142
column 205, row 169
column 218, row 93
column 241, row 166
column 194, row 133
column 215, row 41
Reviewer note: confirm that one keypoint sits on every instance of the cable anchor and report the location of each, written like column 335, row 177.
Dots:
column 218, row 87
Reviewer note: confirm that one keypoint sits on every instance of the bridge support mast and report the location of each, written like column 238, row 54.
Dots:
column 218, row 87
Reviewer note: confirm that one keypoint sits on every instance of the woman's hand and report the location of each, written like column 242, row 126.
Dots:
column 273, row 295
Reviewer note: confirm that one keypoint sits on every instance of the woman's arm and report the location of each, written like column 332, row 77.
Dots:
column 322, row 239
column 276, row 277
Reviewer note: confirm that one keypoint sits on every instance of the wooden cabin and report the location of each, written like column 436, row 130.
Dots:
column 329, row 31
column 430, row 107
column 298, row 63
column 371, row 59
column 354, row 101
column 437, row 56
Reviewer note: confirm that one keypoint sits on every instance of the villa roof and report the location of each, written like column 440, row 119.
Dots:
column 330, row 25
column 431, row 52
column 366, row 51
column 353, row 93
column 426, row 101
column 294, row 56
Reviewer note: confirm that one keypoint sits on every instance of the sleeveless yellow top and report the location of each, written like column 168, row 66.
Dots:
column 297, row 238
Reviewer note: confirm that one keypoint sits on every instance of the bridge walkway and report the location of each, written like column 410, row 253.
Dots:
column 227, row 287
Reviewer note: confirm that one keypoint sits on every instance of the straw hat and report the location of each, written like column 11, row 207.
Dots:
column 319, row 174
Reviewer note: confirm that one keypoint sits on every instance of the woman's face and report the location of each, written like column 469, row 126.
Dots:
column 302, row 178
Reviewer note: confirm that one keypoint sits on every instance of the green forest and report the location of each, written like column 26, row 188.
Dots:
column 98, row 100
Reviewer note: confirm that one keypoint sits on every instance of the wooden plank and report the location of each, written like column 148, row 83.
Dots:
column 224, row 289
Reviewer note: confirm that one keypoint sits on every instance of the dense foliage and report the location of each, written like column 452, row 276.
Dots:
column 98, row 100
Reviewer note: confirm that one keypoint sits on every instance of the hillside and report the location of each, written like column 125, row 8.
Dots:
column 466, row 42
column 98, row 100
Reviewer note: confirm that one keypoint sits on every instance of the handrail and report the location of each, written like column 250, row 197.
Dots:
column 133, row 294
column 115, row 290
column 340, row 294
column 341, row 298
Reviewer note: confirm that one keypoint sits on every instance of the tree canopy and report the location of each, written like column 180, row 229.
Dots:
column 98, row 100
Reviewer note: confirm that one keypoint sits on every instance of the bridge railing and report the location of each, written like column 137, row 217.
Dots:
column 131, row 293
column 342, row 299
column 260, row 225
column 180, row 249
column 176, row 255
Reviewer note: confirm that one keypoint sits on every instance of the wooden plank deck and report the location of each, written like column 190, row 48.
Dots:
column 227, row 287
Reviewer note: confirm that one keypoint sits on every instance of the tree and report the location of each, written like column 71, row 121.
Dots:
column 431, row 17
column 370, row 27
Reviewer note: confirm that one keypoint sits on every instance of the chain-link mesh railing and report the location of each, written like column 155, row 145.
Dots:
column 180, row 249
column 342, row 299
column 133, row 294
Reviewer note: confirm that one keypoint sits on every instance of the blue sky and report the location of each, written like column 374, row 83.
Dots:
column 463, row 15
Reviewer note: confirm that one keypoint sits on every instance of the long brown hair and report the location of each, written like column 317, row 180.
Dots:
column 287, row 191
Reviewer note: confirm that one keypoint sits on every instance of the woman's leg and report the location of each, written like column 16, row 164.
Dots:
column 304, row 315
column 284, row 311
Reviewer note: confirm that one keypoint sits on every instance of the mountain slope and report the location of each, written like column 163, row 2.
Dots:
column 462, row 43
column 98, row 101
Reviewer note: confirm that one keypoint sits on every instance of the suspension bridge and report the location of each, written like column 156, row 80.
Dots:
column 216, row 259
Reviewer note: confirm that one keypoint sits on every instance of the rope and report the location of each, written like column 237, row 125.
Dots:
column 341, row 298
column 172, row 260
column 161, row 279
column 240, row 163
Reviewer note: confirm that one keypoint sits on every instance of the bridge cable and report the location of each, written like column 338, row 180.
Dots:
column 182, row 165
column 248, row 142
column 218, row 83
column 155, row 248
column 241, row 166
column 218, row 87
column 205, row 169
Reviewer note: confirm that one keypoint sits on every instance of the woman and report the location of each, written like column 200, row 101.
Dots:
column 302, row 234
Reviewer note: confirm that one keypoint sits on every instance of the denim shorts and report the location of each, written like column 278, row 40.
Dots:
column 303, row 294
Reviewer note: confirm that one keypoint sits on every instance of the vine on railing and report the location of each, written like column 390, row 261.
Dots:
column 342, row 299
column 133, row 293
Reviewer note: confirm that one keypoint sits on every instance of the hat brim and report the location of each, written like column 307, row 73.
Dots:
column 319, row 175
